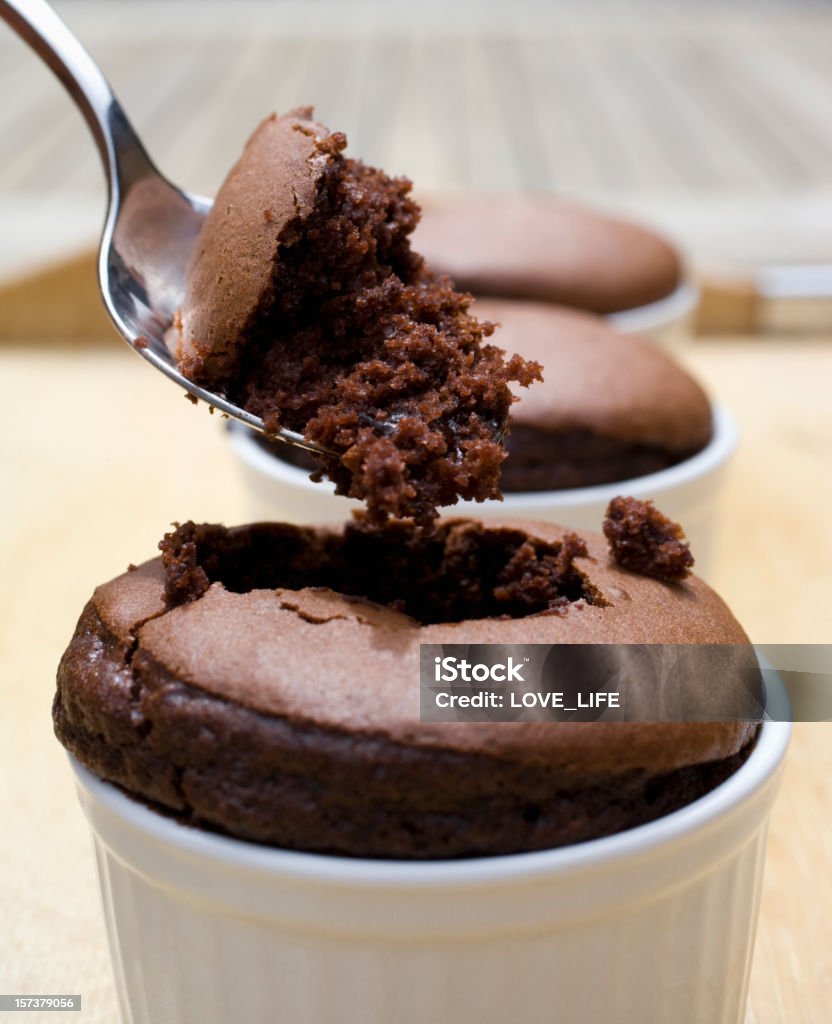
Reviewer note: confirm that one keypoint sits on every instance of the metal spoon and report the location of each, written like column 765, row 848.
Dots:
column 151, row 225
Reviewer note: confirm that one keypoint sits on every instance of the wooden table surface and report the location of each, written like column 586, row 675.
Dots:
column 99, row 455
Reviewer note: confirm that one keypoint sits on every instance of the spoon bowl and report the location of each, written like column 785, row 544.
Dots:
column 151, row 226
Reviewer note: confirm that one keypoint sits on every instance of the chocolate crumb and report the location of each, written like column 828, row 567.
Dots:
column 185, row 579
column 645, row 541
column 191, row 398
column 141, row 342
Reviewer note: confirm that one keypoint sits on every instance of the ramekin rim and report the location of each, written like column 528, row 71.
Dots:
column 659, row 314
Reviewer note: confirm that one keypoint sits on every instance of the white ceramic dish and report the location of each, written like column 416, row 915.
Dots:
column 688, row 492
column 652, row 925
column 668, row 322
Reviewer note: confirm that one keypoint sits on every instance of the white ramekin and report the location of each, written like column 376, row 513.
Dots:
column 687, row 492
column 652, row 925
column 668, row 322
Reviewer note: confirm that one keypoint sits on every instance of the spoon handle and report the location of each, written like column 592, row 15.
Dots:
column 124, row 158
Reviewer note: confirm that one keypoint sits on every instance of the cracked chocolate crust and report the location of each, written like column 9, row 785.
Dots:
column 285, row 714
column 215, row 764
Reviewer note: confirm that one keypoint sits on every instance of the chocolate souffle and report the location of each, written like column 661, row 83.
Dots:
column 611, row 407
column 306, row 305
column 263, row 682
column 547, row 249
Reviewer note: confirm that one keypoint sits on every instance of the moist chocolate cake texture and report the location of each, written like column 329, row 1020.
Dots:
column 611, row 407
column 645, row 540
column 306, row 305
column 264, row 683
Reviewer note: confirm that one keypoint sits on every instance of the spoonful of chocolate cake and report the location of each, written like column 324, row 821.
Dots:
column 306, row 306
column 295, row 304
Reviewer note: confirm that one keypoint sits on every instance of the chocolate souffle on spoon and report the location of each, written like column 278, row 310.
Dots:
column 306, row 304
column 397, row 394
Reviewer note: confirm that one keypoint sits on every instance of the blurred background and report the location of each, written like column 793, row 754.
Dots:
column 711, row 120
